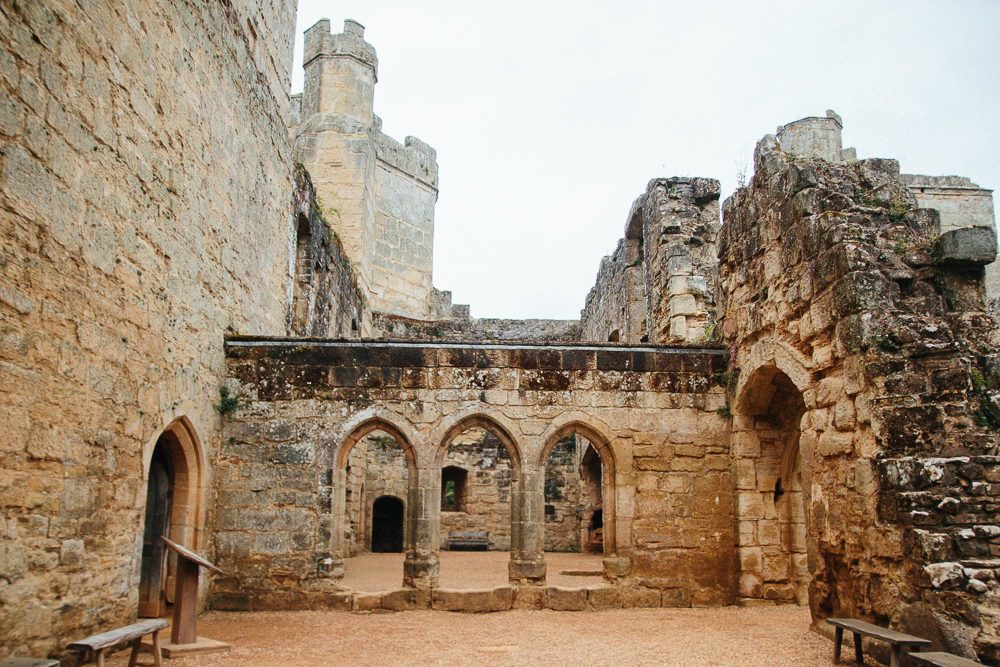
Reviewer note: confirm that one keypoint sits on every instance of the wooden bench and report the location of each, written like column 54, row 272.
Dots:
column 896, row 640
column 29, row 662
column 936, row 659
column 468, row 541
column 135, row 632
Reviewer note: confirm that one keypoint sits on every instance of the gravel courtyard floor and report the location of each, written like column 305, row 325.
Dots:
column 729, row 636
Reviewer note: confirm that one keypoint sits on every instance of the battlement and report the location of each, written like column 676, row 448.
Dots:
column 351, row 43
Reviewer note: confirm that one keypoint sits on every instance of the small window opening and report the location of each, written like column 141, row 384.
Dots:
column 615, row 336
column 453, row 480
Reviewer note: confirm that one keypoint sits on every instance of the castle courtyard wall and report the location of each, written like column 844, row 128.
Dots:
column 650, row 412
column 146, row 179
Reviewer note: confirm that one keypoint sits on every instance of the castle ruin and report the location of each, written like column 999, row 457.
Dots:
column 219, row 323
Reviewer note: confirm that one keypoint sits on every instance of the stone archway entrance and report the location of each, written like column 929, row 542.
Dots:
column 770, row 497
column 174, row 509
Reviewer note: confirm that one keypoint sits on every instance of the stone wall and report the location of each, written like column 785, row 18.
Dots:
column 375, row 468
column 649, row 412
column 563, row 491
column 668, row 259
column 326, row 300
column 377, row 193
column 860, row 350
column 145, row 172
column 960, row 203
column 477, row 328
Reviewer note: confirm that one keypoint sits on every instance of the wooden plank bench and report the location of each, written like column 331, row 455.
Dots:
column 896, row 640
column 29, row 662
column 135, row 632
column 937, row 659
column 468, row 541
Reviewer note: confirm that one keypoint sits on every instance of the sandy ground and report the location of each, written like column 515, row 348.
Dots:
column 729, row 636
column 467, row 569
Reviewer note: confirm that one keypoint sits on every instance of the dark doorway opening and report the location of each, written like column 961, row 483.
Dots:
column 387, row 525
column 159, row 498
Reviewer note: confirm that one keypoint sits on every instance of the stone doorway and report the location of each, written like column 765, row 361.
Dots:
column 771, row 506
column 388, row 519
column 174, row 509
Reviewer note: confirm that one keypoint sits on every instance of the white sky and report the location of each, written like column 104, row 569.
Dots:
column 549, row 117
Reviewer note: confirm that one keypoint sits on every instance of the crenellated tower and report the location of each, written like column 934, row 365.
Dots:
column 376, row 193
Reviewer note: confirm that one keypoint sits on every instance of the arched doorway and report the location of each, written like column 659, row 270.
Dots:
column 387, row 525
column 770, row 503
column 478, row 458
column 597, row 484
column 174, row 509
column 375, row 460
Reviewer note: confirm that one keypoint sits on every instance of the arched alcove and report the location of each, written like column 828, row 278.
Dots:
column 770, row 503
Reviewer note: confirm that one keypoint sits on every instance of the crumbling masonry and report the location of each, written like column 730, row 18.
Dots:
column 797, row 403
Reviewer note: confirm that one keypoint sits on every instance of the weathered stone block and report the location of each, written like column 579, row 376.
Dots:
column 642, row 597
column 528, row 597
column 406, row 599
column 833, row 443
column 366, row 601
column 558, row 598
column 968, row 246
column 675, row 597
column 604, row 597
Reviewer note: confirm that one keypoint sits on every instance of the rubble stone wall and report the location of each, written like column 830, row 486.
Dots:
column 465, row 328
column 146, row 180
column 667, row 258
column 326, row 300
column 650, row 412
column 859, row 346
column 960, row 203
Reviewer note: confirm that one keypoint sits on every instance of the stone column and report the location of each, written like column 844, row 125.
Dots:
column 330, row 527
column 527, row 558
column 422, row 565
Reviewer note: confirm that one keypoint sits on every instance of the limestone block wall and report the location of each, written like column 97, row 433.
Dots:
column 960, row 203
column 563, row 491
column 475, row 328
column 616, row 305
column 325, row 297
column 861, row 351
column 668, row 259
column 650, row 412
column 377, row 193
column 400, row 259
column 145, row 177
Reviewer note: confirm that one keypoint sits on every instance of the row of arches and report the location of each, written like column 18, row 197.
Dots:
column 433, row 486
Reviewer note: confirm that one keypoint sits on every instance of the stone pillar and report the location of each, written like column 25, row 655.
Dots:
column 422, row 565
column 330, row 527
column 527, row 558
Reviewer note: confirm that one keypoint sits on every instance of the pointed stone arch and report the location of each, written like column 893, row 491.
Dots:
column 178, row 508
column 599, row 437
column 772, row 494
column 505, row 433
column 355, row 431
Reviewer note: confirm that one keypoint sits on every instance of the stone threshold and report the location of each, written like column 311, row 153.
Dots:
column 506, row 598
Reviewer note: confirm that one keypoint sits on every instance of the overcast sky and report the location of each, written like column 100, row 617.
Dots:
column 550, row 117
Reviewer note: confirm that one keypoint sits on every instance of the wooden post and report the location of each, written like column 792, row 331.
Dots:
column 185, row 625
column 838, row 640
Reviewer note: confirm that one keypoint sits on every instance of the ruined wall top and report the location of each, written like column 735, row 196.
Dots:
column 816, row 137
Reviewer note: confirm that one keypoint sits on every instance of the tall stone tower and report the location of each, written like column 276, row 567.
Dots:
column 379, row 195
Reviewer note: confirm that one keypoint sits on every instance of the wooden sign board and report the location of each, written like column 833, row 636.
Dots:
column 191, row 556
